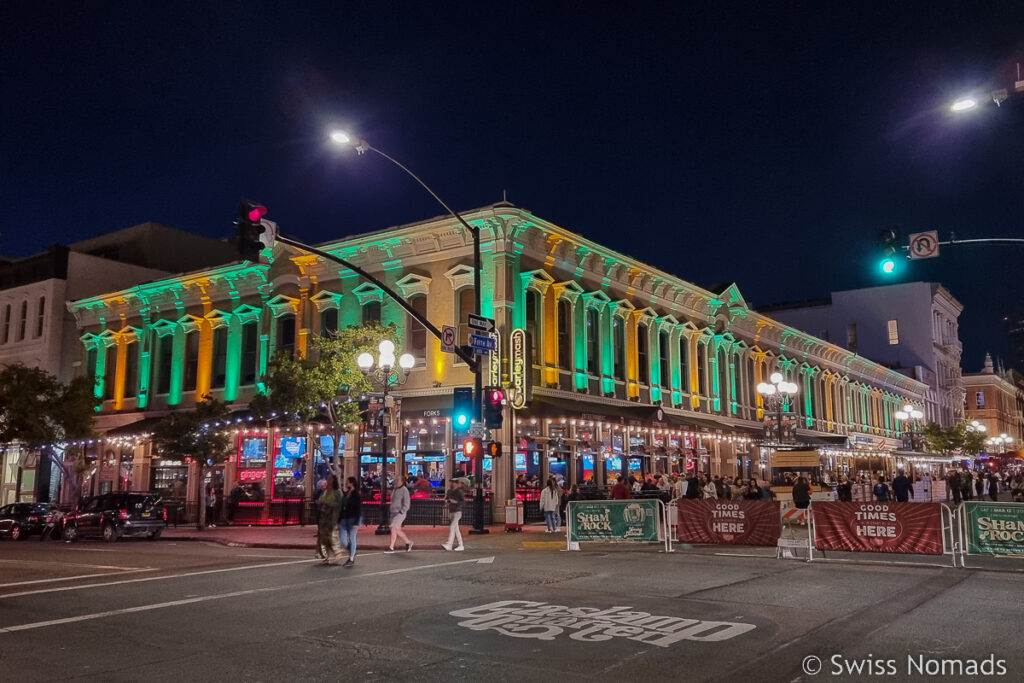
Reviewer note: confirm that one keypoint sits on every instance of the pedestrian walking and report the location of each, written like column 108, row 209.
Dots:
column 979, row 485
column 211, row 505
column 902, row 488
column 881, row 490
column 993, row 487
column 453, row 499
column 953, row 486
column 327, row 527
column 351, row 518
column 400, row 504
column 966, row 481
column 550, row 502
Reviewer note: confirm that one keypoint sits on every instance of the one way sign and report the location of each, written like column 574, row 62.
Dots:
column 480, row 323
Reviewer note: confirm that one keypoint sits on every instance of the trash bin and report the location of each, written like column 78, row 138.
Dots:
column 513, row 515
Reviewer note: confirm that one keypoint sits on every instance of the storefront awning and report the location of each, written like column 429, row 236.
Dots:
column 439, row 405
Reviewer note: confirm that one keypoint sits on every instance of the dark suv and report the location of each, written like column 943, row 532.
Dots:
column 21, row 520
column 114, row 515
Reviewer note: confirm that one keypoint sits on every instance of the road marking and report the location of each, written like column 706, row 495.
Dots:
column 67, row 564
column 222, row 596
column 71, row 578
column 543, row 544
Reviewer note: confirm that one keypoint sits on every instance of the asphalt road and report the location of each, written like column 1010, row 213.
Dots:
column 504, row 611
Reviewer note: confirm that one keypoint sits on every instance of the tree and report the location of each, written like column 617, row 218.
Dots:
column 193, row 435
column 952, row 441
column 43, row 413
column 324, row 383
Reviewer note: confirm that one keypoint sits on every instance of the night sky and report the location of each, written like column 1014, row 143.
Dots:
column 766, row 144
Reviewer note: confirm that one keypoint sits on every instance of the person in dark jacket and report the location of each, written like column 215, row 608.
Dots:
column 881, row 490
column 350, row 518
column 844, row 490
column 979, row 485
column 693, row 487
column 902, row 488
column 801, row 494
column 993, row 487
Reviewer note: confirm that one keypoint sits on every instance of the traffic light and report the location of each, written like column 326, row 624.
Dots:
column 255, row 233
column 494, row 402
column 462, row 408
column 493, row 449
column 887, row 240
column 472, row 447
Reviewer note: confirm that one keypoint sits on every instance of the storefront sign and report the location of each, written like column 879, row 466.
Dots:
column 252, row 475
column 519, row 368
column 495, row 361
column 878, row 527
column 541, row 621
column 730, row 522
column 994, row 528
column 606, row 520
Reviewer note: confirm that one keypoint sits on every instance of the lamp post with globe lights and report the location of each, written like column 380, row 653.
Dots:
column 1000, row 442
column 911, row 418
column 775, row 396
column 382, row 371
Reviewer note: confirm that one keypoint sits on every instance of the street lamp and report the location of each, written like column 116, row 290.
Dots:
column 776, row 396
column 912, row 417
column 342, row 138
column 1001, row 442
column 975, row 426
column 382, row 371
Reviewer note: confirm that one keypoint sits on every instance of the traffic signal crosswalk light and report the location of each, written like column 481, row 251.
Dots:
column 472, row 447
column 462, row 408
column 492, row 449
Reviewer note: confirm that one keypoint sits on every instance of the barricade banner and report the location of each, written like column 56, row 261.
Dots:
column 878, row 527
column 608, row 520
column 729, row 522
column 993, row 528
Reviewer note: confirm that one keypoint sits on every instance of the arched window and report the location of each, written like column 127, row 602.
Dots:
column 564, row 334
column 664, row 361
column 219, row 363
column 724, row 390
column 416, row 334
column 593, row 342
column 250, row 353
column 749, row 382
column 619, row 341
column 643, row 354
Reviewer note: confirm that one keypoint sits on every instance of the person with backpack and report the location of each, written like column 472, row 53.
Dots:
column 881, row 490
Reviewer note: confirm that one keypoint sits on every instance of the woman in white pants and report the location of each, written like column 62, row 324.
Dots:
column 453, row 500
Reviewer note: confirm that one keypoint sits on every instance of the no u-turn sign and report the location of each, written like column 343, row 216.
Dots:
column 924, row 244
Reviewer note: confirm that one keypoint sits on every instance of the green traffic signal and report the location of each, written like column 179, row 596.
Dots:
column 887, row 243
column 888, row 265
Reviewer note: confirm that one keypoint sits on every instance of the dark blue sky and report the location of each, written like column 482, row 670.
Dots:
column 765, row 144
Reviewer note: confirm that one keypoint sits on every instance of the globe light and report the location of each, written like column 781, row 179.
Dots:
column 386, row 347
column 406, row 361
column 901, row 415
column 364, row 361
column 386, row 361
column 340, row 137
column 768, row 389
column 908, row 408
column 775, row 378
column 916, row 414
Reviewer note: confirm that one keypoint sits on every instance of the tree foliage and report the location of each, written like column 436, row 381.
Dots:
column 955, row 440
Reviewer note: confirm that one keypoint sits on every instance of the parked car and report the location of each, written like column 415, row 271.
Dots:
column 113, row 515
column 21, row 520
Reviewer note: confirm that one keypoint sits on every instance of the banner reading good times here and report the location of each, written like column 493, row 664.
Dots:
column 606, row 520
column 994, row 528
column 878, row 527
column 731, row 522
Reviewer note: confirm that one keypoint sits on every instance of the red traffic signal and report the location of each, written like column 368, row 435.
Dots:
column 472, row 448
column 494, row 401
column 257, row 212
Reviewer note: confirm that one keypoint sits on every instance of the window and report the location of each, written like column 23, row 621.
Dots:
column 250, row 353
column 7, row 323
column 23, row 321
column 286, row 331
column 564, row 334
column 643, row 355
column 466, row 304
column 40, row 316
column 109, row 372
column 162, row 367
column 131, row 367
column 664, row 360
column 702, row 369
column 191, row 360
column 894, row 333
column 851, row 336
column 593, row 342
column 218, row 369
column 371, row 312
column 328, row 322
column 979, row 400
column 684, row 359
column 723, row 379
column 532, row 324
column 416, row 336
column 91, row 356
column 619, row 340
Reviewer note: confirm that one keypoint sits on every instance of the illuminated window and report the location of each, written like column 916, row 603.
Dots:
column 40, row 316
column 416, row 335
column 328, row 322
column 250, row 353
column 619, row 340
column 218, row 369
column 723, row 379
column 131, row 368
column 191, row 361
column 593, row 342
column 894, row 333
column 564, row 334
column 979, row 400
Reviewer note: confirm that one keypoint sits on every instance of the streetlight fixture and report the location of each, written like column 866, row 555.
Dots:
column 1001, row 442
column 344, row 139
column 382, row 371
column 776, row 396
column 912, row 417
column 975, row 426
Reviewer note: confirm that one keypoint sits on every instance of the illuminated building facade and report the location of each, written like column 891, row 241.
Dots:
column 995, row 398
column 617, row 366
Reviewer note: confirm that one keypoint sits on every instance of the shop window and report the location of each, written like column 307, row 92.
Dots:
column 371, row 313
column 23, row 320
column 532, row 322
column 416, row 334
column 286, row 331
column 162, row 367
column 218, row 369
column 619, row 341
column 664, row 362
column 564, row 334
column 191, row 361
column 40, row 316
column 109, row 371
column 593, row 342
column 131, row 369
column 250, row 353
column 328, row 322
column 643, row 354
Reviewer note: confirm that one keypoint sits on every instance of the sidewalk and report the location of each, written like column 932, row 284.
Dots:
column 304, row 537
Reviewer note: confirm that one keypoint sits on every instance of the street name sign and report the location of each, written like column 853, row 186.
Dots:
column 481, row 344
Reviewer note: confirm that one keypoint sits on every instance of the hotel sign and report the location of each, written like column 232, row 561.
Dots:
column 519, row 368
